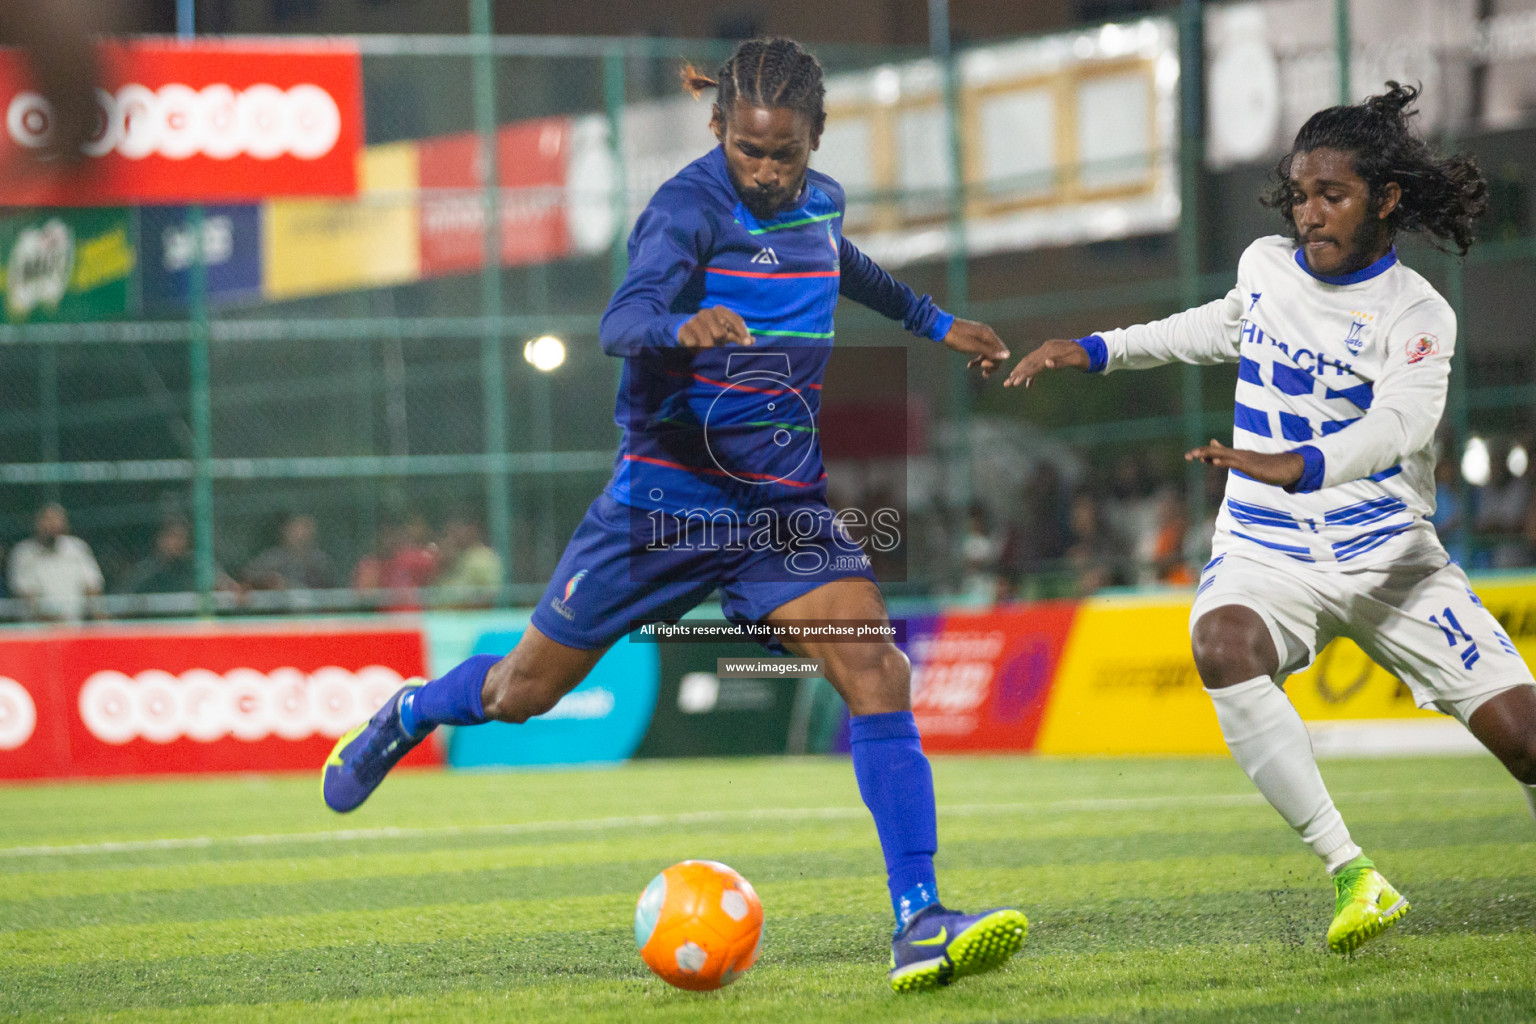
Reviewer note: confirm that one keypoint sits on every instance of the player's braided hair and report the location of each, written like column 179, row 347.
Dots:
column 774, row 72
column 1441, row 198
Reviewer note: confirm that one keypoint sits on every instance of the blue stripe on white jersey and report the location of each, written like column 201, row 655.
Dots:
column 1347, row 549
column 1258, row 515
column 1298, row 552
column 1369, row 511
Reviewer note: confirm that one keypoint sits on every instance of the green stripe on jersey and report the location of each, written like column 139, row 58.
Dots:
column 794, row 334
column 794, row 223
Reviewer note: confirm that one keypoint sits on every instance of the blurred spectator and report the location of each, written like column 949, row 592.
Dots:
column 472, row 572
column 170, row 569
column 1500, row 517
column 979, row 551
column 413, row 562
column 1166, row 555
column 368, row 574
column 55, row 572
column 295, row 563
column 1039, row 537
column 1094, row 555
column 1130, row 513
column 1449, row 513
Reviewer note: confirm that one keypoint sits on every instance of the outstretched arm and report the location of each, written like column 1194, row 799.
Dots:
column 867, row 283
column 1202, row 335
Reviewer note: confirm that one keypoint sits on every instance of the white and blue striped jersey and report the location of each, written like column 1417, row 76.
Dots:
column 1351, row 372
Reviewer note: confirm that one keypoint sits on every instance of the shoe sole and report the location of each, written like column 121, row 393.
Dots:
column 922, row 976
column 983, row 946
column 988, row 943
column 1360, row 936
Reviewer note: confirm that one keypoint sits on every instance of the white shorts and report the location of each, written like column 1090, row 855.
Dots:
column 1421, row 624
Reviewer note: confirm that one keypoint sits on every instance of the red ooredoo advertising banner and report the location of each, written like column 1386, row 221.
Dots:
column 981, row 680
column 167, row 700
column 194, row 122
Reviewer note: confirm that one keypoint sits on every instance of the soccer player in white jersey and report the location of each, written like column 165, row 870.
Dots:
column 1343, row 355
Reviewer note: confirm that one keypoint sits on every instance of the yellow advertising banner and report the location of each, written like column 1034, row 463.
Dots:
column 316, row 246
column 1127, row 682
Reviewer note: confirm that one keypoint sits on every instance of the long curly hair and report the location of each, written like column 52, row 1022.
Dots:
column 769, row 72
column 1441, row 198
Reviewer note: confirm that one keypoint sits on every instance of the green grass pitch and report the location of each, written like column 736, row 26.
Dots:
column 1157, row 890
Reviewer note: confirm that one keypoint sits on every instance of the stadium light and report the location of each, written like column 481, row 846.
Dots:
column 1476, row 465
column 1518, row 461
column 545, row 353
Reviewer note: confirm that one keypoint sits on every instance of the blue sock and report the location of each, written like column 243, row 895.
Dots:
column 897, row 786
column 452, row 700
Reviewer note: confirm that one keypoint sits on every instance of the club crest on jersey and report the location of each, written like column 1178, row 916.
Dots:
column 766, row 255
column 1358, row 323
column 1421, row 346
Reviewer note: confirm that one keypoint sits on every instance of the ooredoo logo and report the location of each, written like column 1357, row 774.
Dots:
column 176, row 121
column 18, row 715
column 242, row 703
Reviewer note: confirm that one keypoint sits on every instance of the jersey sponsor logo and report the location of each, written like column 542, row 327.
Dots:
column 1253, row 300
column 559, row 604
column 1421, row 346
column 766, row 255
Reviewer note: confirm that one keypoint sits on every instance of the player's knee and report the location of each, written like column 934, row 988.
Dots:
column 1522, row 761
column 874, row 678
column 1232, row 645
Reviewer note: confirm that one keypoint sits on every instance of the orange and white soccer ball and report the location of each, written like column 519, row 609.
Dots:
column 698, row 925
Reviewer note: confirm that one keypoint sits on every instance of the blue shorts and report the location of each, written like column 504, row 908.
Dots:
column 625, row 566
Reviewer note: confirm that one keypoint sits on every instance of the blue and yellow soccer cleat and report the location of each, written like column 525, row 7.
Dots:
column 361, row 758
column 937, row 946
column 1365, row 906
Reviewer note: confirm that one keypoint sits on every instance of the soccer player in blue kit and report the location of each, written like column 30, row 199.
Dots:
column 725, row 323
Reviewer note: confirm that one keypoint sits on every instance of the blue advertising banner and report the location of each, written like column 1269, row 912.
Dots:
column 603, row 719
column 231, row 240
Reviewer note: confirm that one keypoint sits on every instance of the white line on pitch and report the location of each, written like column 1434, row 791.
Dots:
column 686, row 818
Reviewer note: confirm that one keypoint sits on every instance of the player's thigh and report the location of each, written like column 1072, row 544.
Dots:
column 608, row 580
column 1251, row 618
column 1430, row 630
column 872, row 677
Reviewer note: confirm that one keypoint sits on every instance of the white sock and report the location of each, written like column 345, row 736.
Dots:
column 1270, row 743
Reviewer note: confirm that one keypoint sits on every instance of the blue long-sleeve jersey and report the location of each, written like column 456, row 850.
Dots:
column 735, row 427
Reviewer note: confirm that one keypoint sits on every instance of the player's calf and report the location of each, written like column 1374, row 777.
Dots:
column 532, row 679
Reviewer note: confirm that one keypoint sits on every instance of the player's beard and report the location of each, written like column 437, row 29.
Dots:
column 1365, row 240
column 765, row 203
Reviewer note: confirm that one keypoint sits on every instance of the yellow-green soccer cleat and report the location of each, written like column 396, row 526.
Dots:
column 937, row 946
column 1366, row 905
